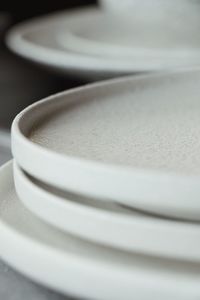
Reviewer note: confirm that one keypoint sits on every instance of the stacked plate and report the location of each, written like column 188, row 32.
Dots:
column 104, row 199
column 101, row 200
column 153, row 36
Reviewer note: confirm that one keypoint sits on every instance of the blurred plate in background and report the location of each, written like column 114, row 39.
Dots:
column 173, row 39
column 92, row 51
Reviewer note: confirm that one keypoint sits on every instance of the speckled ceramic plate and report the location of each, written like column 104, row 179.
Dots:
column 82, row 269
column 132, row 140
column 108, row 223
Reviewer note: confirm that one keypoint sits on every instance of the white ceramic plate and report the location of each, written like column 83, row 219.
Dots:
column 85, row 270
column 117, row 5
column 37, row 41
column 142, row 37
column 5, row 151
column 148, row 7
column 131, row 140
column 108, row 223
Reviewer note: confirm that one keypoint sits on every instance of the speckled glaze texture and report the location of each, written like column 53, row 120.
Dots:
column 146, row 126
column 133, row 140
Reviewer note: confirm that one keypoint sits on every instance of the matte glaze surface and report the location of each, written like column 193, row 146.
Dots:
column 149, row 125
column 74, row 266
column 152, row 30
column 131, row 140
column 107, row 223
column 37, row 41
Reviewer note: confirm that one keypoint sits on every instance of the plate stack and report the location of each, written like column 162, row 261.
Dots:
column 109, row 176
column 101, row 200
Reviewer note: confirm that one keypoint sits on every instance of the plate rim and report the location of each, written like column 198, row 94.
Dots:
column 158, row 183
column 82, row 268
column 32, row 195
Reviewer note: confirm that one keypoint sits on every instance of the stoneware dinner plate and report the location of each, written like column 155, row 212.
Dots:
column 107, row 223
column 38, row 41
column 82, row 269
column 132, row 140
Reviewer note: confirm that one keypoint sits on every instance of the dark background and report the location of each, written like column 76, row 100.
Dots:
column 22, row 82
column 22, row 10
